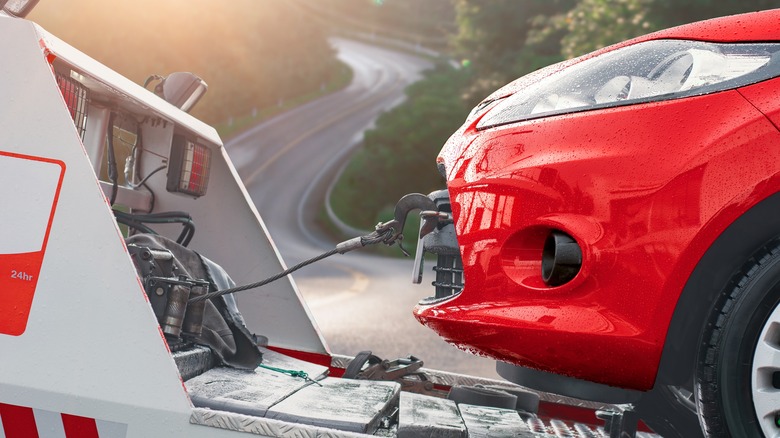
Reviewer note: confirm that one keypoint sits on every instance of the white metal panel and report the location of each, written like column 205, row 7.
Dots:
column 125, row 89
column 92, row 346
column 95, row 136
column 27, row 191
column 247, row 253
column 231, row 232
column 49, row 424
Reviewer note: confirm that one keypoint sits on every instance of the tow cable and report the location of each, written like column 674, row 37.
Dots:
column 389, row 233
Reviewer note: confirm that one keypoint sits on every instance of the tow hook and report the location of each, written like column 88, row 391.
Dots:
column 413, row 201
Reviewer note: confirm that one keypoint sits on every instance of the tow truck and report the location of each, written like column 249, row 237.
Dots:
column 105, row 325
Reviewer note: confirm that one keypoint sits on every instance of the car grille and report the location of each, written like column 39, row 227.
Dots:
column 449, row 275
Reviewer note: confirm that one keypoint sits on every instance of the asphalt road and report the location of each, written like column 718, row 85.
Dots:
column 360, row 301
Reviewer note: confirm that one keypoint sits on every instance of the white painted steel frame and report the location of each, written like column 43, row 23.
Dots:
column 92, row 346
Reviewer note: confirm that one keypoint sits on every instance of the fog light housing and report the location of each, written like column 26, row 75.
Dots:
column 561, row 259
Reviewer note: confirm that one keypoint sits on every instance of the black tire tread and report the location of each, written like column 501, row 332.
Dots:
column 709, row 403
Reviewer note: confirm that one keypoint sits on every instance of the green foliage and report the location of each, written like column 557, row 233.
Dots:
column 491, row 33
column 493, row 36
column 593, row 24
column 398, row 156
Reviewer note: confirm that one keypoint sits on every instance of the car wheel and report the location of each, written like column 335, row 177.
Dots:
column 738, row 371
column 670, row 412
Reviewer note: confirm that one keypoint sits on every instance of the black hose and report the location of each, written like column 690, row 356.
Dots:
column 134, row 224
column 113, row 175
column 140, row 146
column 136, row 220
column 273, row 278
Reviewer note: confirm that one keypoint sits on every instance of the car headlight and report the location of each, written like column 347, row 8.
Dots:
column 644, row 72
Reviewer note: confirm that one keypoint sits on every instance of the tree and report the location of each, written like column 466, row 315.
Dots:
column 398, row 155
column 593, row 24
column 250, row 53
column 493, row 35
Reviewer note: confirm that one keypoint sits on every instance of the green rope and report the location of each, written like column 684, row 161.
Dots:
column 302, row 374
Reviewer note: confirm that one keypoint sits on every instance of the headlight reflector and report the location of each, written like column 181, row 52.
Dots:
column 644, row 72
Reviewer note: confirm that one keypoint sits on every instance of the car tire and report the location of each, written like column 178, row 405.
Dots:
column 732, row 391
column 664, row 412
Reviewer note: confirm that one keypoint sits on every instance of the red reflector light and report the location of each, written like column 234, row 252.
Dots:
column 188, row 167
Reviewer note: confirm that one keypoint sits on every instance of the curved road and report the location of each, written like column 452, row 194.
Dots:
column 360, row 301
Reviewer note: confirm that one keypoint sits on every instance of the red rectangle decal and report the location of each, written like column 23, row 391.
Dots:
column 18, row 421
column 29, row 189
column 79, row 427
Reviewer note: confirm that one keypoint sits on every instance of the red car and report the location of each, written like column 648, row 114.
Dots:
column 618, row 220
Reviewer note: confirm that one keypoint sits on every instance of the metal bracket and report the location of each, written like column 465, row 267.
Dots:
column 404, row 370
column 619, row 424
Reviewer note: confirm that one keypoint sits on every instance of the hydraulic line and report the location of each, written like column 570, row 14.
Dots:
column 113, row 175
column 137, row 220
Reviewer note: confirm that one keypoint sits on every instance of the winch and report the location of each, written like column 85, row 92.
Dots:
column 169, row 291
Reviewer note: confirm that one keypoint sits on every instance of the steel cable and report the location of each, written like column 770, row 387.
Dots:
column 358, row 242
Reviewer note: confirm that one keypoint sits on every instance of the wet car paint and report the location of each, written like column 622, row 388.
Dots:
column 644, row 189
